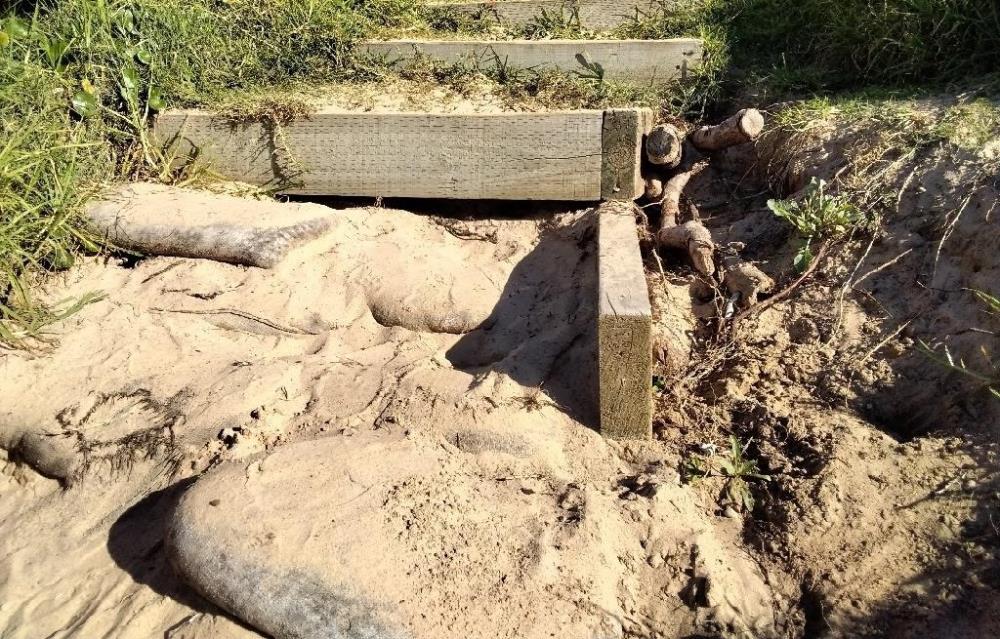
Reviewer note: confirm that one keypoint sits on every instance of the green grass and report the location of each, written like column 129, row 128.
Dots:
column 836, row 44
column 80, row 78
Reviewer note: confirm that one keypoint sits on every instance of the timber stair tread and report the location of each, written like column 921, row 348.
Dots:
column 590, row 15
column 640, row 62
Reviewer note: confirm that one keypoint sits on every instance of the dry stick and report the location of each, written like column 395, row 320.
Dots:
column 744, row 126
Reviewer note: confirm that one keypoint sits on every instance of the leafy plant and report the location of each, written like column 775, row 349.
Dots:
column 734, row 465
column 816, row 216
column 560, row 23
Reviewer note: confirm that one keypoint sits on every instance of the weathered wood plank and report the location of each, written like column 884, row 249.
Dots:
column 596, row 15
column 641, row 62
column 529, row 156
column 624, row 326
column 524, row 156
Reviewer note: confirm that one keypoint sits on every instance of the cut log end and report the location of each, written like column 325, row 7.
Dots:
column 751, row 123
column 663, row 146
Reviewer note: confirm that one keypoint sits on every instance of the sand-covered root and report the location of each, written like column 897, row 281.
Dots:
column 403, row 536
column 507, row 515
column 180, row 349
column 159, row 220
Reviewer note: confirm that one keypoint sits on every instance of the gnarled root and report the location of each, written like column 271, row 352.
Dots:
column 695, row 239
column 745, row 279
column 745, row 126
column 670, row 203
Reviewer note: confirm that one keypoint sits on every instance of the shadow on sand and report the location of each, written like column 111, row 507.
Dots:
column 542, row 331
column 136, row 543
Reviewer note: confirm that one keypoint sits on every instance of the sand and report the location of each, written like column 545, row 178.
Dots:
column 401, row 414
column 472, row 341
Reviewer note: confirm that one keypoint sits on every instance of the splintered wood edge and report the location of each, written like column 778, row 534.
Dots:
column 624, row 327
column 623, row 136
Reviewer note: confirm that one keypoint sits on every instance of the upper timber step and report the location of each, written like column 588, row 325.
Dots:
column 596, row 15
column 635, row 61
column 584, row 155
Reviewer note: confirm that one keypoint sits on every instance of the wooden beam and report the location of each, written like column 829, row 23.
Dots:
column 643, row 62
column 624, row 326
column 623, row 136
column 520, row 156
column 596, row 15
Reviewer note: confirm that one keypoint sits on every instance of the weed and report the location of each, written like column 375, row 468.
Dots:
column 734, row 465
column 817, row 216
column 563, row 24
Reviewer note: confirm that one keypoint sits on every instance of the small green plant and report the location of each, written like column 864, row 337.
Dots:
column 988, row 374
column 591, row 70
column 659, row 384
column 560, row 23
column 817, row 216
column 734, row 466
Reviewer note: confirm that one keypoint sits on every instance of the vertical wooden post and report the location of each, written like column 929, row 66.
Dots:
column 622, row 142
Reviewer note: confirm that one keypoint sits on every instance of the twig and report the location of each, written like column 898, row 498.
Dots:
column 237, row 313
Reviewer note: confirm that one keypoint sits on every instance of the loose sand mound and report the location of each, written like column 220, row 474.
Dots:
column 386, row 536
column 511, row 515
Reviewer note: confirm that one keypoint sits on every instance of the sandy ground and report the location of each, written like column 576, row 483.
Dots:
column 473, row 339
column 415, row 393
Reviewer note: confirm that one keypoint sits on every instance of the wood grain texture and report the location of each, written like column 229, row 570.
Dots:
column 623, row 134
column 523, row 156
column 624, row 327
column 643, row 62
column 596, row 15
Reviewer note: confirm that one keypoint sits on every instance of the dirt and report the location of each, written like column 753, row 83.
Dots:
column 878, row 517
column 459, row 348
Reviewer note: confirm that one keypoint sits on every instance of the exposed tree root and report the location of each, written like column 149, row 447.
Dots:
column 742, row 127
column 695, row 239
